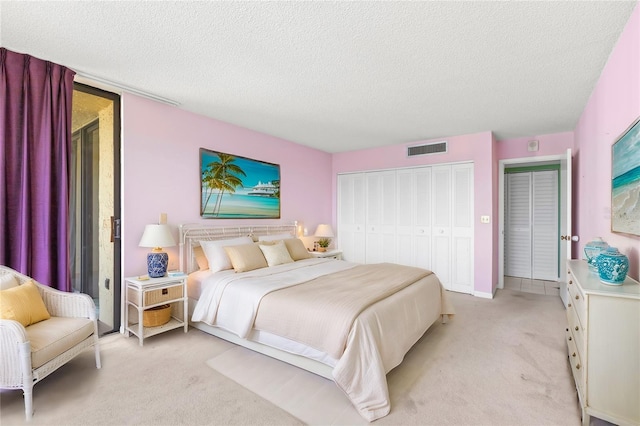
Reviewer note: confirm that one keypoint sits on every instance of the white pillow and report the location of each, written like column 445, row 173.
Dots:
column 274, row 237
column 8, row 281
column 217, row 256
column 276, row 254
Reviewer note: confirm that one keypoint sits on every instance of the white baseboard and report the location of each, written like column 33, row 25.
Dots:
column 484, row 295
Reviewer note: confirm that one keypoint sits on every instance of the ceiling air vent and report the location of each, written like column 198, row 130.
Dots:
column 427, row 149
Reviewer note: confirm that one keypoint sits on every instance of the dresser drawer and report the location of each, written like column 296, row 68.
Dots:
column 576, row 329
column 574, row 360
column 576, row 300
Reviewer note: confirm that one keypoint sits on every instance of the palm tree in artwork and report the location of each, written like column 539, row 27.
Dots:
column 221, row 176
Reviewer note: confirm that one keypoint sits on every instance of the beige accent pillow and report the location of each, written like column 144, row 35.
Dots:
column 23, row 304
column 296, row 249
column 201, row 259
column 246, row 257
column 276, row 254
column 216, row 255
column 8, row 281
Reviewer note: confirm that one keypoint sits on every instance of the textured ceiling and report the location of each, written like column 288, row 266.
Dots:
column 340, row 76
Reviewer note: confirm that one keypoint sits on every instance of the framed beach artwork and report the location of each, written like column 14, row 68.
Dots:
column 625, row 182
column 234, row 187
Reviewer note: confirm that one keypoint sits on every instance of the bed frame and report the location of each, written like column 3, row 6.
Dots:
column 190, row 237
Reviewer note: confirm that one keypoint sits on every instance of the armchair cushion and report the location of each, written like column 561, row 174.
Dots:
column 23, row 304
column 56, row 335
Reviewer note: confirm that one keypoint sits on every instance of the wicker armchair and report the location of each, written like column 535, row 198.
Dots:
column 29, row 354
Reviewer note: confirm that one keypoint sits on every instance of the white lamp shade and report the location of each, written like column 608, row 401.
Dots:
column 325, row 231
column 157, row 236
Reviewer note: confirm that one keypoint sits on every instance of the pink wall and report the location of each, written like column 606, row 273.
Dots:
column 552, row 144
column 478, row 148
column 613, row 106
column 160, row 173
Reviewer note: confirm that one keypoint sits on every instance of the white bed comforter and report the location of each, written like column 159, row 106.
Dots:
column 230, row 301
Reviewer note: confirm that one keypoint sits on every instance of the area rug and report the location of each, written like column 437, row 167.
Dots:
column 311, row 398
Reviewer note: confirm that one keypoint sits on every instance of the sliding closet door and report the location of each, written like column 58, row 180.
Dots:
column 405, row 207
column 351, row 216
column 380, row 217
column 419, row 217
column 441, row 213
column 462, row 249
column 413, row 212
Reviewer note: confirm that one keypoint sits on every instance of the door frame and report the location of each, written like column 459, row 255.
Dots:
column 117, row 199
column 565, row 202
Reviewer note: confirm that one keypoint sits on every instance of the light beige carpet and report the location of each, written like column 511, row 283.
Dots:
column 500, row 361
column 164, row 383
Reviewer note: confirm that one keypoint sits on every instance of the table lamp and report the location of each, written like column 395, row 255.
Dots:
column 157, row 236
column 325, row 233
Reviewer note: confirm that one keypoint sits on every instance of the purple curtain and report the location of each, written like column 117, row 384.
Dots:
column 35, row 132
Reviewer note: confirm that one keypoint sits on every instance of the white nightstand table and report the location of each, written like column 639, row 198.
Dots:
column 151, row 292
column 334, row 254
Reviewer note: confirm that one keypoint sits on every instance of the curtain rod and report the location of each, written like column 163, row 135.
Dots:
column 127, row 88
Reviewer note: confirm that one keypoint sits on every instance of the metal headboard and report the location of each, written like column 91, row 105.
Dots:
column 192, row 233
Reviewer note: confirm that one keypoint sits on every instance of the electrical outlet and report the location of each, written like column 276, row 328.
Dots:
column 485, row 219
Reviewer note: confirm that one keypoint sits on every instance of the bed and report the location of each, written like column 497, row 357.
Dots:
column 269, row 295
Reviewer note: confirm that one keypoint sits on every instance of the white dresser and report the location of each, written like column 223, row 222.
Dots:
column 603, row 340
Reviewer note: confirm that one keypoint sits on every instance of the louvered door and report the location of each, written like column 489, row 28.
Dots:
column 545, row 225
column 531, row 225
column 518, row 225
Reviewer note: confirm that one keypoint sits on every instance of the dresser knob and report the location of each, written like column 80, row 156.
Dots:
column 577, row 366
column 570, row 282
column 570, row 339
column 577, row 328
column 567, row 329
column 573, row 354
column 577, row 297
column 569, row 305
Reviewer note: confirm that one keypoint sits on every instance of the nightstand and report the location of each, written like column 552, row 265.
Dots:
column 152, row 292
column 333, row 254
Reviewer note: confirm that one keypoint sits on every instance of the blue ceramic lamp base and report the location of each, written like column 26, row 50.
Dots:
column 157, row 264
